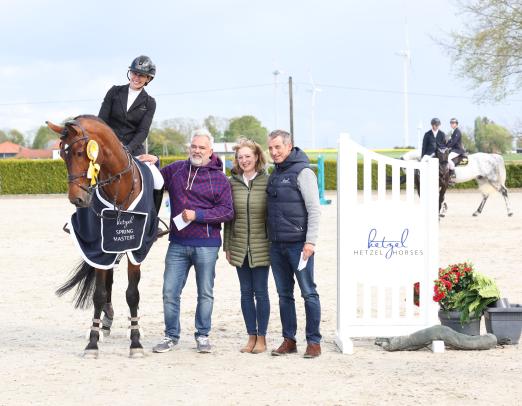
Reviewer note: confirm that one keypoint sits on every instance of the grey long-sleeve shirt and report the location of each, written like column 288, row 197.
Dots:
column 307, row 184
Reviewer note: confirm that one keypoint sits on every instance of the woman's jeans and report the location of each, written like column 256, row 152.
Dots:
column 284, row 258
column 253, row 283
column 178, row 261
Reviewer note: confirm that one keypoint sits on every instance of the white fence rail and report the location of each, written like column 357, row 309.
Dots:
column 387, row 242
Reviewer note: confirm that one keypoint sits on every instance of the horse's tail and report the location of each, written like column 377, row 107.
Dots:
column 82, row 276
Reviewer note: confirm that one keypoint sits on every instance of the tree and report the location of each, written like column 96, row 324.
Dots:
column 42, row 137
column 17, row 137
column 249, row 127
column 489, row 50
column 469, row 143
column 491, row 137
column 167, row 141
column 216, row 126
column 3, row 136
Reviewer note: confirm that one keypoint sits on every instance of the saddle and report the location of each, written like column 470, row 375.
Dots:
column 461, row 160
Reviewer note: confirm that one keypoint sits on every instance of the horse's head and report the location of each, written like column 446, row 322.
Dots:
column 80, row 151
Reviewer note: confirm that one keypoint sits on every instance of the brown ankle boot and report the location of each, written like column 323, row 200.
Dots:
column 312, row 350
column 287, row 347
column 249, row 345
column 260, row 345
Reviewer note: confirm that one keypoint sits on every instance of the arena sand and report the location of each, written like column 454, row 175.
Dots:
column 43, row 336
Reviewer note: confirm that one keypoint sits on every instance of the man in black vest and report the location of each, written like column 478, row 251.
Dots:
column 293, row 224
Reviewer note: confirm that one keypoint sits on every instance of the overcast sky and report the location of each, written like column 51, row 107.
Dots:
column 59, row 58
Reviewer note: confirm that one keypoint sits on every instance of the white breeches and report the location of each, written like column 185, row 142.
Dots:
column 451, row 164
column 156, row 175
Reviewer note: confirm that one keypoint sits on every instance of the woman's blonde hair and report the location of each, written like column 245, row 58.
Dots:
column 255, row 148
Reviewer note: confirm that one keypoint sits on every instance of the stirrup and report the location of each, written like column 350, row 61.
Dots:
column 161, row 233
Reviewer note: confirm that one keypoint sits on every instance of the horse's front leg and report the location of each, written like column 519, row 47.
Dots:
column 108, row 311
column 133, row 300
column 99, row 299
column 442, row 194
column 481, row 206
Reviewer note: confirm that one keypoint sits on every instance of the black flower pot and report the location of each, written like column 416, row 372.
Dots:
column 451, row 319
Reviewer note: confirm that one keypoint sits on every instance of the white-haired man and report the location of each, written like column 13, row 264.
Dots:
column 201, row 197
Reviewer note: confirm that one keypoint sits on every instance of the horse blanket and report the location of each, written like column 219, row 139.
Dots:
column 102, row 233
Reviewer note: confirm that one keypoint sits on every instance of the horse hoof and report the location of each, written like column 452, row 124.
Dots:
column 475, row 214
column 442, row 215
column 90, row 354
column 106, row 331
column 136, row 353
column 510, row 214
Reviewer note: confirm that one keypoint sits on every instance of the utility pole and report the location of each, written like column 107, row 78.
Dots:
column 290, row 91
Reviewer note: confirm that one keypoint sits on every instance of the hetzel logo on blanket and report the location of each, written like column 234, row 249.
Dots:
column 387, row 246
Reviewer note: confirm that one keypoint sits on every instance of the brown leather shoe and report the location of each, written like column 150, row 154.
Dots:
column 312, row 350
column 287, row 347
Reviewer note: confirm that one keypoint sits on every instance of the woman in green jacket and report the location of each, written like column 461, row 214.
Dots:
column 246, row 242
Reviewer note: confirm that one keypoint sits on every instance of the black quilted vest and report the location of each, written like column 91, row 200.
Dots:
column 287, row 215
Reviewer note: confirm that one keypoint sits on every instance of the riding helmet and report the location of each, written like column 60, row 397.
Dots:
column 144, row 65
column 435, row 121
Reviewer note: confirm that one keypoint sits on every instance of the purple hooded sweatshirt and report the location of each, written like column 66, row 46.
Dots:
column 204, row 189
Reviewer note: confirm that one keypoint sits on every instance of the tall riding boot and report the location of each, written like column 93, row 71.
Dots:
column 157, row 195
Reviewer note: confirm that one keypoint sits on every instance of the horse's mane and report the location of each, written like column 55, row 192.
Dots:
column 91, row 117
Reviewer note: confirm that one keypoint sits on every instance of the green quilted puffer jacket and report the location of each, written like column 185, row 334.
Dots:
column 247, row 234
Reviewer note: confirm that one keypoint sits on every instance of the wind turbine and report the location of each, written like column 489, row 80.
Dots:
column 406, row 62
column 314, row 90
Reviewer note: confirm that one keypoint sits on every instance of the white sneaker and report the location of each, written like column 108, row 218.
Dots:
column 166, row 345
column 203, row 344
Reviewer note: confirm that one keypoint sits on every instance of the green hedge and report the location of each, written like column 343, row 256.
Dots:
column 43, row 176
column 32, row 176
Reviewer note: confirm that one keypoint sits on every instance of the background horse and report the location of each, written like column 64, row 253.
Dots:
column 488, row 170
column 97, row 162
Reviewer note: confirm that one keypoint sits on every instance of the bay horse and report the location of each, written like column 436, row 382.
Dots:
column 98, row 165
column 488, row 170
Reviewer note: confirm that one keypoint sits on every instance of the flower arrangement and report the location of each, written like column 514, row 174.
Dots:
column 459, row 287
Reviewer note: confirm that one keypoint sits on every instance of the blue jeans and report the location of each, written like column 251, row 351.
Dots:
column 285, row 258
column 178, row 261
column 253, row 282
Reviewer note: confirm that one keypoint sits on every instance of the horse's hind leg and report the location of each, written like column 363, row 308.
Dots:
column 99, row 299
column 481, row 206
column 133, row 299
column 504, row 192
column 108, row 311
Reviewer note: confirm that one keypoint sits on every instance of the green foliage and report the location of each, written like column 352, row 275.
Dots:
column 43, row 135
column 216, row 126
column 249, row 127
column 3, row 136
column 472, row 301
column 16, row 136
column 488, row 48
column 469, row 143
column 491, row 137
column 26, row 176
column 32, row 176
column 166, row 141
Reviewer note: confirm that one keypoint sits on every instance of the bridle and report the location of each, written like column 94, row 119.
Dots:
column 66, row 154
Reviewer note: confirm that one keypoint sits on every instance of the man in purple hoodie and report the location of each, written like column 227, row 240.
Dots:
column 200, row 200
